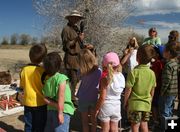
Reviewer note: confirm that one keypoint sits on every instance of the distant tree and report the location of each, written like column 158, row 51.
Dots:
column 24, row 39
column 14, row 39
column 45, row 39
column 34, row 40
column 5, row 41
column 54, row 35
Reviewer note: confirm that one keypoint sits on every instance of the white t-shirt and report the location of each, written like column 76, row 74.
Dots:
column 111, row 109
column 132, row 60
column 115, row 89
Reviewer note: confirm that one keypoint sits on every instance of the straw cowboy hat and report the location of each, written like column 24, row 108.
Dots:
column 74, row 13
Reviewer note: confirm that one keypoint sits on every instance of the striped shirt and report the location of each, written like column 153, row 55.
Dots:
column 169, row 78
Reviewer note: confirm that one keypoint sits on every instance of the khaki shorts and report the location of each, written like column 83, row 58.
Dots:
column 138, row 116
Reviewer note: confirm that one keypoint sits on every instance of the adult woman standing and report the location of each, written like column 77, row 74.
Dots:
column 153, row 38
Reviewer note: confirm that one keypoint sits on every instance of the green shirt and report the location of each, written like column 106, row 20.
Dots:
column 154, row 41
column 51, row 88
column 141, row 80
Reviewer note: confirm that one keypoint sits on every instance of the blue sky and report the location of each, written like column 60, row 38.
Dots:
column 18, row 16
column 162, row 14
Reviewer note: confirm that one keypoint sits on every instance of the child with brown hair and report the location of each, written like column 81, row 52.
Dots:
column 169, row 88
column 128, row 62
column 87, row 94
column 139, row 90
column 30, row 81
column 57, row 95
column 173, row 36
column 112, row 84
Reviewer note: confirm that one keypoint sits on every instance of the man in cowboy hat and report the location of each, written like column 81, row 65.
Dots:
column 71, row 40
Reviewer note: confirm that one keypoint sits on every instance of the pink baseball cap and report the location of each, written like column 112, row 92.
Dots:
column 111, row 57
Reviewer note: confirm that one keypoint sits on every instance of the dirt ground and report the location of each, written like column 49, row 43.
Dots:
column 12, row 58
column 12, row 123
column 15, row 123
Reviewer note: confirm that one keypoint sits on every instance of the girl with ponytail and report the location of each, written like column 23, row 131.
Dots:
column 112, row 83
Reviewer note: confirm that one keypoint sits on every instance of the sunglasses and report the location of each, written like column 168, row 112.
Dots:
column 170, row 36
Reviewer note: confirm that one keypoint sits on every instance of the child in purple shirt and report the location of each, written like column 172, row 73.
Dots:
column 88, row 90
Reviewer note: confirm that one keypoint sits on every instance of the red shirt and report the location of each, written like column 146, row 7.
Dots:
column 157, row 67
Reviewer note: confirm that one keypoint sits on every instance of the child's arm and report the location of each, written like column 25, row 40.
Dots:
column 61, row 93
column 103, row 90
column 51, row 102
column 152, row 93
column 126, row 96
column 125, row 58
column 77, row 88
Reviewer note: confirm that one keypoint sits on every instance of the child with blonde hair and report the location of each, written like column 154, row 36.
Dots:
column 112, row 84
column 88, row 91
column 139, row 90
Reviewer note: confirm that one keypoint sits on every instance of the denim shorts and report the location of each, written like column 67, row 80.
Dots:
column 84, row 107
column 52, row 124
column 138, row 116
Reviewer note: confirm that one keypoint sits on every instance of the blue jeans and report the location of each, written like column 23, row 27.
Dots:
column 166, row 104
column 35, row 118
column 52, row 124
